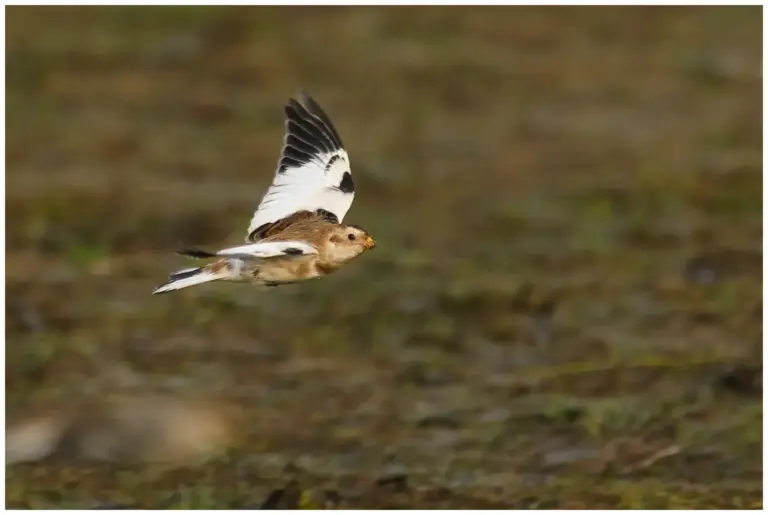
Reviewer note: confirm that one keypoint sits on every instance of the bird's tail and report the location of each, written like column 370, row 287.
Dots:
column 224, row 269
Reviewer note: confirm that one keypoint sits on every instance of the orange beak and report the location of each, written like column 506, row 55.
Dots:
column 369, row 243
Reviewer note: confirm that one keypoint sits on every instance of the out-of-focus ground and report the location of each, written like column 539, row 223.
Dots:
column 564, row 307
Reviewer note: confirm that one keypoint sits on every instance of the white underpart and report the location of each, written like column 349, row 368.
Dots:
column 308, row 187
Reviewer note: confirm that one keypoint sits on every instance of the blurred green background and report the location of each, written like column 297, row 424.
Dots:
column 564, row 307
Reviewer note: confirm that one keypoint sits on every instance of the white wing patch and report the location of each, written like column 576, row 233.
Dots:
column 313, row 172
column 269, row 249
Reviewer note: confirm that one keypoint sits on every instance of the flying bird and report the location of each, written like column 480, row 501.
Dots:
column 296, row 233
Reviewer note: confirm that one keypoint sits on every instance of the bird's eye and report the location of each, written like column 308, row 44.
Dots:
column 351, row 237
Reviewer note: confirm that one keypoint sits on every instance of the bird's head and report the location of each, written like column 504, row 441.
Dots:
column 348, row 241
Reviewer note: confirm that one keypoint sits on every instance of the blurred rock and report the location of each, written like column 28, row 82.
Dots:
column 741, row 379
column 124, row 429
column 395, row 482
column 560, row 457
column 286, row 498
column 718, row 264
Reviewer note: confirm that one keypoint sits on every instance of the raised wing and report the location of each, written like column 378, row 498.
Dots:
column 313, row 172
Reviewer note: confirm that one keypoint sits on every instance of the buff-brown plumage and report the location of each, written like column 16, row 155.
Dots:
column 303, row 226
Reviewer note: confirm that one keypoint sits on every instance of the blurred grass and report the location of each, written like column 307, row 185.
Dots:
column 567, row 283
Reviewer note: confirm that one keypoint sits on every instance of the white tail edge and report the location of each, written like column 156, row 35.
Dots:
column 190, row 277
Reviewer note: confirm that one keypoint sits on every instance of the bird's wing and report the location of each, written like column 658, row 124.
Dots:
column 313, row 172
column 269, row 249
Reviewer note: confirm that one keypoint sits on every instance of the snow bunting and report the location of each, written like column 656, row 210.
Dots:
column 296, row 233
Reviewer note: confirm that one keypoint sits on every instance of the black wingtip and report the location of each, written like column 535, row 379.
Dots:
column 313, row 108
column 308, row 133
column 306, row 98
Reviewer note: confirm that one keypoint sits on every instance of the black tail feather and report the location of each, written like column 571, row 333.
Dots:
column 156, row 292
column 176, row 276
column 183, row 274
column 195, row 253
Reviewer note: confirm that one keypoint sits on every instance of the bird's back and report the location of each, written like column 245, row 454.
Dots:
column 307, row 227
